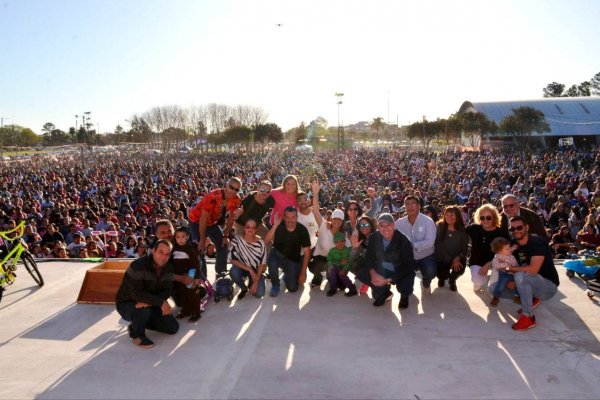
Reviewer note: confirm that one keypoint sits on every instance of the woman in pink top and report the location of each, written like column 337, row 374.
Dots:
column 285, row 196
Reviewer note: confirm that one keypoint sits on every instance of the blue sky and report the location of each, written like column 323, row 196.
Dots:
column 59, row 58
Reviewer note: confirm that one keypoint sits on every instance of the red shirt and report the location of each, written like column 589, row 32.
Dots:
column 213, row 203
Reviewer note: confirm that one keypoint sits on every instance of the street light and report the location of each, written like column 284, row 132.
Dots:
column 2, row 139
column 340, row 131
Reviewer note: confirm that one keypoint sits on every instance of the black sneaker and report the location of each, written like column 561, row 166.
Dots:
column 441, row 283
column 403, row 304
column 143, row 342
column 331, row 292
column 351, row 292
column 242, row 294
column 314, row 284
column 452, row 284
column 194, row 318
column 381, row 300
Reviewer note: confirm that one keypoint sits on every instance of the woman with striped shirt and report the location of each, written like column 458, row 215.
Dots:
column 248, row 257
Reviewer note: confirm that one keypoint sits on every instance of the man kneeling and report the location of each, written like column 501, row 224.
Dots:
column 142, row 297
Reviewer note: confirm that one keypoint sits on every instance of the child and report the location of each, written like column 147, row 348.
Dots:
column 184, row 258
column 340, row 262
column 502, row 259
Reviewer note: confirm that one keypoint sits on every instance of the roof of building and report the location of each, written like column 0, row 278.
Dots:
column 567, row 116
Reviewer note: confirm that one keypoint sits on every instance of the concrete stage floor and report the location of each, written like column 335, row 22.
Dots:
column 302, row 345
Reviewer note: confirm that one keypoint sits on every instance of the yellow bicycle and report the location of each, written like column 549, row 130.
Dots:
column 12, row 243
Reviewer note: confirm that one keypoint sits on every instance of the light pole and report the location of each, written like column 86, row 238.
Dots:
column 2, row 138
column 339, row 131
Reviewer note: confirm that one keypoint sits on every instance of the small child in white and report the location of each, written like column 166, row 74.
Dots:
column 503, row 259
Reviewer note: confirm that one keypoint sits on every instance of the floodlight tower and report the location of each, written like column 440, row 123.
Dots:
column 340, row 131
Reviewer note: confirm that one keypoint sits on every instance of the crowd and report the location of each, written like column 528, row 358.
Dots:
column 375, row 215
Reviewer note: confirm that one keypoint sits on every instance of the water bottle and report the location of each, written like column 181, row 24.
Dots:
column 191, row 274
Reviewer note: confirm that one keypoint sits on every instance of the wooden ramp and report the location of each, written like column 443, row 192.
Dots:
column 102, row 282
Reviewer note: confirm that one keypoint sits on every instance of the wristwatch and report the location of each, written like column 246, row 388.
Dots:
column 507, row 268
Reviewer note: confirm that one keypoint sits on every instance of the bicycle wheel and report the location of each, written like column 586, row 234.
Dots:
column 32, row 268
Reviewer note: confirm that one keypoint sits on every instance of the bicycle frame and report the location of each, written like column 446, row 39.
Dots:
column 8, row 264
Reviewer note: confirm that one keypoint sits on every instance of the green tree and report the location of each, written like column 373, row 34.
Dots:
column 27, row 138
column 585, row 89
column 554, row 89
column 424, row 131
column 453, row 128
column 595, row 85
column 264, row 133
column 475, row 125
column 523, row 122
column 378, row 124
column 573, row 91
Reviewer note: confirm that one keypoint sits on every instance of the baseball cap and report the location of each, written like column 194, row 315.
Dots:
column 337, row 213
column 339, row 236
column 385, row 218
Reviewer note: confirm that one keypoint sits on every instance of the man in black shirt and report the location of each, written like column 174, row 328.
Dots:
column 255, row 206
column 288, row 239
column 536, row 278
column 142, row 296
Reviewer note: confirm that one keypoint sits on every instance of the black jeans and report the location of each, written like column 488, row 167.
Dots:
column 404, row 286
column 146, row 318
column 445, row 271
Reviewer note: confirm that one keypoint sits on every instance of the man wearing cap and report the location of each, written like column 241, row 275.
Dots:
column 210, row 214
column 289, row 238
column 326, row 230
column 389, row 260
column 511, row 207
column 421, row 231
column 536, row 278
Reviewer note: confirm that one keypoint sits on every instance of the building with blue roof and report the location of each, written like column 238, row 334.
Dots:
column 576, row 117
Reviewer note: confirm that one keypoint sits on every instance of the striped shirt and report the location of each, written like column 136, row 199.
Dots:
column 250, row 254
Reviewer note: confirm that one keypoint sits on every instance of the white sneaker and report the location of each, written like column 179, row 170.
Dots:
column 477, row 288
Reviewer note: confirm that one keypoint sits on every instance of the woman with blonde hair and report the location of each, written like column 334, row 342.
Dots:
column 485, row 228
column 285, row 196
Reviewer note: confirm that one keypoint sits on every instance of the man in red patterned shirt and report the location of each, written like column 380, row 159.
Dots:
column 207, row 218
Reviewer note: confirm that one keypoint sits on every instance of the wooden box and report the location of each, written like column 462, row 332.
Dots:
column 102, row 282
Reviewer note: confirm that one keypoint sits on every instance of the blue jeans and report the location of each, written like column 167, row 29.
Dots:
column 500, row 285
column 404, row 286
column 291, row 270
column 238, row 275
column 146, row 318
column 215, row 233
column 529, row 286
column 428, row 268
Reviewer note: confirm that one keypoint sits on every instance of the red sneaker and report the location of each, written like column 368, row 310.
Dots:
column 536, row 302
column 524, row 323
column 364, row 288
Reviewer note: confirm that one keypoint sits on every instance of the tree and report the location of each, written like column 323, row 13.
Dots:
column 424, row 131
column 264, row 133
column 453, row 128
column 27, row 138
column 573, row 91
column 238, row 134
column 377, row 125
column 475, row 125
column 523, row 122
column 595, row 84
column 554, row 89
column 584, row 89
column 47, row 132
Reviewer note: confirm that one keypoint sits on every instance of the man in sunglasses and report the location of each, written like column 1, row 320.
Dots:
column 536, row 278
column 511, row 207
column 210, row 214
column 255, row 206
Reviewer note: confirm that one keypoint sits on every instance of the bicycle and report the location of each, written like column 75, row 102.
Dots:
column 12, row 242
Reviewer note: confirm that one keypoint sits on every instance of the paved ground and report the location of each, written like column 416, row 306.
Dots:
column 299, row 346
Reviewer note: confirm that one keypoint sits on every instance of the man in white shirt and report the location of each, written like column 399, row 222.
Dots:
column 421, row 231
